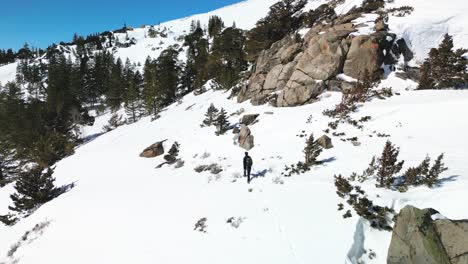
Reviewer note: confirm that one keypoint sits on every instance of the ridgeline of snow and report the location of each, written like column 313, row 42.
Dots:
column 8, row 73
column 431, row 20
column 124, row 210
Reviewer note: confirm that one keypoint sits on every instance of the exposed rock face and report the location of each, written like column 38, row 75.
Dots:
column 272, row 70
column 298, row 68
column 325, row 142
column 295, row 71
column 418, row 239
column 246, row 139
column 367, row 53
column 249, row 119
column 154, row 150
column 300, row 90
column 401, row 48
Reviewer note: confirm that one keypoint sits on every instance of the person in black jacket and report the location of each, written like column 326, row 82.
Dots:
column 247, row 166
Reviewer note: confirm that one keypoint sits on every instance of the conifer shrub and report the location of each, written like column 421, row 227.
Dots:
column 114, row 122
column 222, row 124
column 210, row 116
column 311, row 151
column 445, row 67
column 356, row 198
column 33, row 189
column 387, row 165
column 386, row 169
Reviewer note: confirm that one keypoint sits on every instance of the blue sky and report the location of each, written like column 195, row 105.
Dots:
column 42, row 22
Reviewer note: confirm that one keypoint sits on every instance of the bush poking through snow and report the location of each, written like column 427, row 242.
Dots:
column 171, row 156
column 213, row 168
column 387, row 167
column 200, row 225
column 235, row 221
column 311, row 151
column 423, row 173
column 28, row 236
column 114, row 122
column 357, row 199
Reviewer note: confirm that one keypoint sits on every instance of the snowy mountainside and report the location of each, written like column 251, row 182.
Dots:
column 125, row 210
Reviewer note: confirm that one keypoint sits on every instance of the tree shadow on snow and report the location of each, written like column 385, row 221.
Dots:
column 442, row 181
column 88, row 139
column 327, row 160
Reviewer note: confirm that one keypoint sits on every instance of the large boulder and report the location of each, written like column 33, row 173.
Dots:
column 325, row 142
column 272, row 69
column 246, row 139
column 296, row 66
column 301, row 89
column 154, row 150
column 325, row 53
column 249, row 119
column 364, row 56
column 424, row 237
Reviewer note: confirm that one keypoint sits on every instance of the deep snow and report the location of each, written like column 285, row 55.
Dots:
column 123, row 210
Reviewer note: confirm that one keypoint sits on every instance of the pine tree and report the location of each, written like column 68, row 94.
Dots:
column 152, row 32
column 222, row 123
column 415, row 175
column 211, row 115
column 388, row 165
column 312, row 150
column 133, row 100
column 444, row 67
column 228, row 58
column 8, row 166
column 168, row 71
column 114, row 97
column 33, row 188
column 283, row 18
column 434, row 172
column 215, row 26
column 197, row 56
column 150, row 87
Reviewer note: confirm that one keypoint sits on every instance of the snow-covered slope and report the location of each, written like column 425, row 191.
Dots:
column 124, row 210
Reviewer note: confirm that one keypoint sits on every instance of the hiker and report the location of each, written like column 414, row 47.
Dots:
column 247, row 166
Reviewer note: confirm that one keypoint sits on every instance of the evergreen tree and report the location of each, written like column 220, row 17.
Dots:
column 312, row 150
column 283, row 18
column 197, row 56
column 227, row 59
column 215, row 26
column 150, row 88
column 211, row 115
column 8, row 166
column 388, row 165
column 133, row 100
column 445, row 67
column 33, row 188
column 413, row 175
column 114, row 96
column 222, row 123
column 152, row 32
column 434, row 172
column 168, row 71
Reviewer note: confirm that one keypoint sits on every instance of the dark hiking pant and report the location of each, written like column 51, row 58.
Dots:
column 247, row 173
